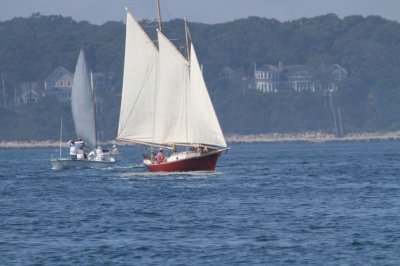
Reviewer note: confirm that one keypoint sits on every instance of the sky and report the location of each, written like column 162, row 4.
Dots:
column 205, row 11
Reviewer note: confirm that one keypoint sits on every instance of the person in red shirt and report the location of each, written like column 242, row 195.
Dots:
column 160, row 156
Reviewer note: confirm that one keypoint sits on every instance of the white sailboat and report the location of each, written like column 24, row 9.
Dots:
column 165, row 103
column 83, row 112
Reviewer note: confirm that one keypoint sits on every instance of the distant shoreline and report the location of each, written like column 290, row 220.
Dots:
column 314, row 137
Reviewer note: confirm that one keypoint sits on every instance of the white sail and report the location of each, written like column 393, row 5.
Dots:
column 164, row 97
column 82, row 103
column 182, row 98
column 137, row 115
column 171, row 122
column 203, row 122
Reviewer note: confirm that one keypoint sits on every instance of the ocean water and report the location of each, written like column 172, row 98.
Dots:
column 266, row 204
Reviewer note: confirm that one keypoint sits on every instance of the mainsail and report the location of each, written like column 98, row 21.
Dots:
column 164, row 98
column 82, row 103
column 137, row 114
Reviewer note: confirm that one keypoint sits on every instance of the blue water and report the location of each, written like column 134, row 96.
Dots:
column 267, row 204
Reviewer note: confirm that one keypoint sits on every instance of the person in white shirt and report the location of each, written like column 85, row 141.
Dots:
column 72, row 150
column 99, row 153
column 81, row 149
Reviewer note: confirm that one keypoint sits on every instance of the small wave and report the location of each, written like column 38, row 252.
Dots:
column 356, row 243
column 181, row 175
column 133, row 166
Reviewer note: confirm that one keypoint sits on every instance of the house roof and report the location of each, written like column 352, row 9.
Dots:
column 297, row 72
column 268, row 68
column 58, row 73
column 30, row 93
column 330, row 68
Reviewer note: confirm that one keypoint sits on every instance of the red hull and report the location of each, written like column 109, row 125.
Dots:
column 204, row 162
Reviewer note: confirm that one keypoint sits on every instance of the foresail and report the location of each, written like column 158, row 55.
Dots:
column 82, row 103
column 203, row 122
column 136, row 122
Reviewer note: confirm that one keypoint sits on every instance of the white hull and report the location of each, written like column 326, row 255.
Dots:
column 109, row 156
column 68, row 163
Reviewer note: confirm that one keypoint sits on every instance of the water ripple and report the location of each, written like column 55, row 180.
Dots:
column 267, row 204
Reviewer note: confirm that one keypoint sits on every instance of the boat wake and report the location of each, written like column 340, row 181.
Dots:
column 173, row 175
column 128, row 166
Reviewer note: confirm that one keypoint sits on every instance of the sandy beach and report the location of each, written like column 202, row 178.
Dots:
column 316, row 137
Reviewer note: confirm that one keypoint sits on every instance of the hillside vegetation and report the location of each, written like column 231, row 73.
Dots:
column 368, row 47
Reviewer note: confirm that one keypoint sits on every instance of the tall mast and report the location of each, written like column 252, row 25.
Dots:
column 188, row 59
column 94, row 106
column 61, row 131
column 160, row 29
column 4, row 89
column 187, row 41
column 159, row 16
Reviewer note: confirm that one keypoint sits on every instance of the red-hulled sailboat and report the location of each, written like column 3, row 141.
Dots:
column 165, row 103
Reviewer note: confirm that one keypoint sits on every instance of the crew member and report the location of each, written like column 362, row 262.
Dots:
column 72, row 149
column 160, row 156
